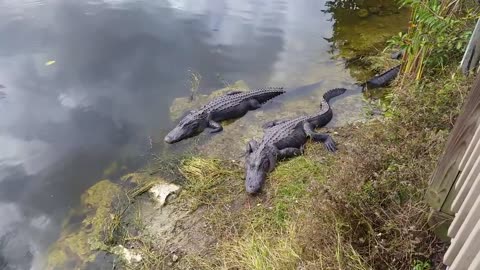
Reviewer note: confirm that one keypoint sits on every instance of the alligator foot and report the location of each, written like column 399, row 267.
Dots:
column 289, row 152
column 328, row 142
column 216, row 127
column 320, row 137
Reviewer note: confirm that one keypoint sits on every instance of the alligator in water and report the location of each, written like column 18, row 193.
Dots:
column 286, row 138
column 232, row 105
column 382, row 80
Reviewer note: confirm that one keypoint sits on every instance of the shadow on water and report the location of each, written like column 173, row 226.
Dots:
column 103, row 107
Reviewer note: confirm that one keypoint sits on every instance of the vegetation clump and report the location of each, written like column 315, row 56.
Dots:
column 76, row 245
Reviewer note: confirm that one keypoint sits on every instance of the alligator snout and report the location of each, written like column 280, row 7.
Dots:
column 174, row 136
column 169, row 139
column 252, row 190
column 254, row 181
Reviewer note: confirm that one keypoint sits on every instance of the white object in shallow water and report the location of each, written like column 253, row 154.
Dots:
column 126, row 254
column 161, row 191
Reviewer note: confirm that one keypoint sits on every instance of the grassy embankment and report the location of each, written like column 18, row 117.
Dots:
column 363, row 207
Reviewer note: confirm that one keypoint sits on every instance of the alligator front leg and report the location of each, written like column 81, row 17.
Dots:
column 216, row 127
column 320, row 137
column 253, row 104
column 251, row 146
column 289, row 152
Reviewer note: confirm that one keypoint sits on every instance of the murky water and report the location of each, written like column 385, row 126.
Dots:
column 86, row 86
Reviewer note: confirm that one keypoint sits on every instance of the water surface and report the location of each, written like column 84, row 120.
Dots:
column 98, row 109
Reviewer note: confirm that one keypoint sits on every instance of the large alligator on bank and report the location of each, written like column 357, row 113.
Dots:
column 286, row 138
column 230, row 106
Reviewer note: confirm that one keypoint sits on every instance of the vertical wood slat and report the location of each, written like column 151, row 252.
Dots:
column 466, row 208
column 469, row 181
column 468, row 251
column 470, row 150
column 475, row 264
column 472, row 53
column 443, row 179
column 460, row 229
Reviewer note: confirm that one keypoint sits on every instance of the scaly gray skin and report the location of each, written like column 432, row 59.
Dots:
column 286, row 138
column 383, row 79
column 232, row 105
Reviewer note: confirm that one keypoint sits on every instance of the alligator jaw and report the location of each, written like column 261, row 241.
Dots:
column 171, row 137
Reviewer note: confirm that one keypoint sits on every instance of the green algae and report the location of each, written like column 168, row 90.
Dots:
column 362, row 29
column 183, row 104
column 75, row 246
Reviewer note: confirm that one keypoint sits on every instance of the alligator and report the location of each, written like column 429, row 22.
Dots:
column 381, row 80
column 286, row 138
column 234, row 104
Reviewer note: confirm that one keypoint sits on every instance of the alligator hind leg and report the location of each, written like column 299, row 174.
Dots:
column 253, row 104
column 289, row 152
column 216, row 127
column 320, row 137
column 273, row 123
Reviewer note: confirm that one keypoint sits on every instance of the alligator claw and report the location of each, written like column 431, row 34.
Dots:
column 216, row 130
column 330, row 145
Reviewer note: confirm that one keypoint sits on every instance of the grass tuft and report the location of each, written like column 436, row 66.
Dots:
column 206, row 180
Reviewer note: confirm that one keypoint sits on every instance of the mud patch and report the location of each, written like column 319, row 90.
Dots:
column 176, row 230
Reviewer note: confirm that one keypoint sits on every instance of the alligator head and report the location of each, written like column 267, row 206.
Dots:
column 190, row 125
column 257, row 164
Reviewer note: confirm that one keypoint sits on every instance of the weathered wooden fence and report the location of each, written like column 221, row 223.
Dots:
column 454, row 192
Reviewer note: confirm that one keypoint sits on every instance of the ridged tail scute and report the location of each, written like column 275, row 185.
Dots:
column 333, row 93
column 265, row 94
column 383, row 79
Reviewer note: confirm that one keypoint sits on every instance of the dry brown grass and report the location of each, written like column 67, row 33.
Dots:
column 361, row 208
column 373, row 197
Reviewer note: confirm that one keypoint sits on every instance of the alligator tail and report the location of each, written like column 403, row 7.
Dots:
column 383, row 79
column 333, row 93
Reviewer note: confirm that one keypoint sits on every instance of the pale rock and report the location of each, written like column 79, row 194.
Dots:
column 126, row 254
column 161, row 191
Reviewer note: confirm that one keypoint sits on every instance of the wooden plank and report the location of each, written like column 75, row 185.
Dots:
column 470, row 149
column 475, row 264
column 466, row 208
column 472, row 53
column 447, row 170
column 461, row 234
column 469, row 180
column 439, row 223
column 469, row 250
